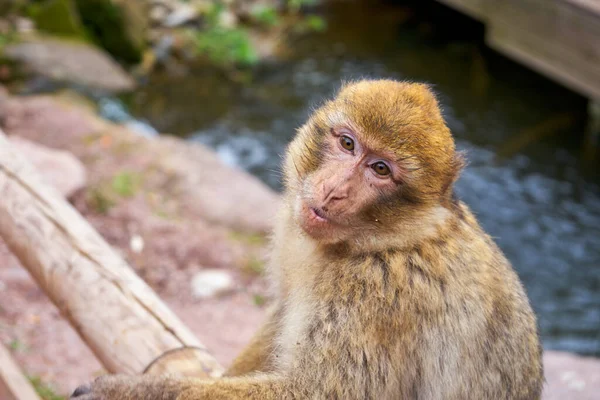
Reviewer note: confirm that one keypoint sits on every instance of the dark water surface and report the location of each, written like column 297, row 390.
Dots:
column 538, row 201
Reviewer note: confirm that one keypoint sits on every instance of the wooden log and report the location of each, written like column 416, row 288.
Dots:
column 13, row 384
column 121, row 319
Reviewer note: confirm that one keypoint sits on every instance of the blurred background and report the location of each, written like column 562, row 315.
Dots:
column 519, row 84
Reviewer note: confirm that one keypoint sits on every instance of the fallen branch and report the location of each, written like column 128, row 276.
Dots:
column 13, row 384
column 120, row 318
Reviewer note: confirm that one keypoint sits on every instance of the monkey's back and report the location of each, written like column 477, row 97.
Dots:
column 475, row 317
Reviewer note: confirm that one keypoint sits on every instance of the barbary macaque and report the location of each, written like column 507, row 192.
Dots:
column 386, row 286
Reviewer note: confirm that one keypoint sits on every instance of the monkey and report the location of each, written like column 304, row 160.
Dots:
column 385, row 285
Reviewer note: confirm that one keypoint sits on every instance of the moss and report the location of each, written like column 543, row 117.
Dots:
column 57, row 17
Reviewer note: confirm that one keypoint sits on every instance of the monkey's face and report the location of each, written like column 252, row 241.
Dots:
column 375, row 160
column 333, row 200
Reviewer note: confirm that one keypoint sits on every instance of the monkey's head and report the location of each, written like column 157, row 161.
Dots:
column 375, row 164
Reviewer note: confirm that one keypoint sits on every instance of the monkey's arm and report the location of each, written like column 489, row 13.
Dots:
column 256, row 356
column 258, row 387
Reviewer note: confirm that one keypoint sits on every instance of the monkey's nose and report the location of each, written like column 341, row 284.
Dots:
column 334, row 196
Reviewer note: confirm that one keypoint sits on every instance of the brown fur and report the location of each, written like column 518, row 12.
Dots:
column 403, row 296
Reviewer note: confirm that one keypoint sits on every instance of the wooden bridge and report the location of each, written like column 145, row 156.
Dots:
column 557, row 38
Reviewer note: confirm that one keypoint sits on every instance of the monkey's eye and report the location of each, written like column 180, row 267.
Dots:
column 347, row 143
column 381, row 168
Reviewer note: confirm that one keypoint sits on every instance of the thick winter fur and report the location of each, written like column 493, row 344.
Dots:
column 410, row 300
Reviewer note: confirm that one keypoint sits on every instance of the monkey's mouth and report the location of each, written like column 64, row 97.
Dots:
column 317, row 214
column 317, row 224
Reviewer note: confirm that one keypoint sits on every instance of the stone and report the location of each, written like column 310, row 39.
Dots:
column 158, row 13
column 136, row 244
column 569, row 376
column 180, row 16
column 24, row 25
column 69, row 61
column 228, row 19
column 59, row 168
column 211, row 282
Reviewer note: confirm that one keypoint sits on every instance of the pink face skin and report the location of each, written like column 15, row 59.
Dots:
column 351, row 177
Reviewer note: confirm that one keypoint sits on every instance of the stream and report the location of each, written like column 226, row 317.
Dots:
column 522, row 134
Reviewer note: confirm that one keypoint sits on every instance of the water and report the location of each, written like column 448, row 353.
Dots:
column 539, row 203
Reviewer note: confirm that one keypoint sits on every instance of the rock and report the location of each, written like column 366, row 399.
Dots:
column 228, row 19
column 59, row 168
column 268, row 45
column 197, row 181
column 136, row 244
column 158, row 13
column 245, row 9
column 569, row 376
column 70, row 61
column 24, row 25
column 202, row 176
column 181, row 15
column 211, row 282
column 119, row 26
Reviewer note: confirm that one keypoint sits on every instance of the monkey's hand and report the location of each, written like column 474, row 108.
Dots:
column 113, row 387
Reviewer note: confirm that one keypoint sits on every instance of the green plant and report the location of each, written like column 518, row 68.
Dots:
column 126, row 183
column 44, row 390
column 225, row 46
column 315, row 23
column 296, row 5
column 259, row 300
column 17, row 345
column 265, row 15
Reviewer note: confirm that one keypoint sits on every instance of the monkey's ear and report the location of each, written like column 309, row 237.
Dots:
column 457, row 164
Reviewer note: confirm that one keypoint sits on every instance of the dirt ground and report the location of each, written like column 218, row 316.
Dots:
column 163, row 191
column 45, row 345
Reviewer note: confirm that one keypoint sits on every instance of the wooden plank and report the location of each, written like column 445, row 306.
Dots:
column 558, row 38
column 13, row 384
column 591, row 6
column 473, row 8
column 557, row 24
column 564, row 66
column 120, row 318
